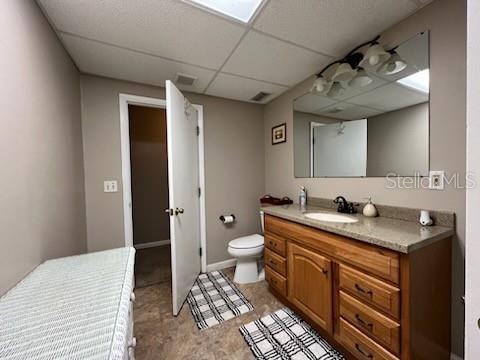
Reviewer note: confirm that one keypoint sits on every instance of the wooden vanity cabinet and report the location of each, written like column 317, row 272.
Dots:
column 372, row 302
column 310, row 284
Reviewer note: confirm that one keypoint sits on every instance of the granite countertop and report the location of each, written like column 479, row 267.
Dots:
column 398, row 235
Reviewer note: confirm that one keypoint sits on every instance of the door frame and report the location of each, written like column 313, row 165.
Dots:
column 129, row 99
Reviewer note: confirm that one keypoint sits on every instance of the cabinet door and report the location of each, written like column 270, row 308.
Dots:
column 310, row 284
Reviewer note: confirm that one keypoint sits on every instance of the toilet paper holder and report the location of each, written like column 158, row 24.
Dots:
column 227, row 219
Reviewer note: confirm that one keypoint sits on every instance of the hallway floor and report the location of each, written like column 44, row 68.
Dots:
column 160, row 335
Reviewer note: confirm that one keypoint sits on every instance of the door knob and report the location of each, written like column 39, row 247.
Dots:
column 169, row 211
column 179, row 211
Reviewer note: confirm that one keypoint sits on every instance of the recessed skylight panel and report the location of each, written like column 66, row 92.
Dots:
column 242, row 10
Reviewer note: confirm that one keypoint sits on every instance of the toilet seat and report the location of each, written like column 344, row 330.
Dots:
column 247, row 242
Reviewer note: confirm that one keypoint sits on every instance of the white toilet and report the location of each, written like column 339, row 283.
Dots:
column 248, row 250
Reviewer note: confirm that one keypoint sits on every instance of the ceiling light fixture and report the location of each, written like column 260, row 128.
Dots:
column 242, row 10
column 344, row 72
column 321, row 86
column 374, row 55
column 351, row 69
column 361, row 79
column 393, row 65
column 336, row 90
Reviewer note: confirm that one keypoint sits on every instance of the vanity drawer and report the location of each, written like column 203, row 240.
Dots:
column 276, row 262
column 372, row 291
column 277, row 281
column 371, row 322
column 373, row 259
column 276, row 244
column 361, row 345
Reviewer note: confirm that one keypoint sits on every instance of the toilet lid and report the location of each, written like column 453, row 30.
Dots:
column 247, row 242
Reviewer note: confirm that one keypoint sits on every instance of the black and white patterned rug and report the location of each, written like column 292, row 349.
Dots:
column 283, row 335
column 214, row 299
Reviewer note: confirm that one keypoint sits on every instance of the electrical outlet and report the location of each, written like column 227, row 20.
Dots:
column 437, row 180
column 110, row 186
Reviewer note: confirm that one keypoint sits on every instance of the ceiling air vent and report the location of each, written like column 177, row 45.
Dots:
column 335, row 110
column 260, row 96
column 184, row 79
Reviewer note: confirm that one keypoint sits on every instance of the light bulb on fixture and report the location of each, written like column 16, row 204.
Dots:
column 361, row 79
column 374, row 55
column 393, row 65
column 321, row 86
column 336, row 90
column 344, row 72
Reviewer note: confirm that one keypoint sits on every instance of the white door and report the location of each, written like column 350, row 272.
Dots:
column 184, row 200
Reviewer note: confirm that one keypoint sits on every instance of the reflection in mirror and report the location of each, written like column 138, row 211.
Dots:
column 377, row 129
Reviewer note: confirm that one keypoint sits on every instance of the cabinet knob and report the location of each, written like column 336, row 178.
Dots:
column 132, row 297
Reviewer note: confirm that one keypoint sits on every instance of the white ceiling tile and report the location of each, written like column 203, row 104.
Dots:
column 238, row 88
column 310, row 102
column 167, row 28
column 97, row 58
column 347, row 111
column 264, row 58
column 332, row 27
column 390, row 97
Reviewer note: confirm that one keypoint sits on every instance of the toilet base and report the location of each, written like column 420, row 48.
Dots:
column 246, row 271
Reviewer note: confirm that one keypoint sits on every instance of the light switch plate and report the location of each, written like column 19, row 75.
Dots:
column 437, row 179
column 110, row 186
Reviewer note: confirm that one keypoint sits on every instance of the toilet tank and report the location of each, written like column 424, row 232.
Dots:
column 262, row 219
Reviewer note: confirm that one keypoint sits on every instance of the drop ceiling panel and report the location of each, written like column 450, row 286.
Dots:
column 238, row 88
column 97, row 58
column 390, row 97
column 309, row 103
column 265, row 58
column 331, row 26
column 167, row 28
column 347, row 111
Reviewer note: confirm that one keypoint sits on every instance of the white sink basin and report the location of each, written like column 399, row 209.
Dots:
column 330, row 217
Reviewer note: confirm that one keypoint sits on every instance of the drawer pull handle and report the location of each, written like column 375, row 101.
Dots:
column 363, row 322
column 325, row 272
column 132, row 297
column 360, row 289
column 359, row 349
column 272, row 262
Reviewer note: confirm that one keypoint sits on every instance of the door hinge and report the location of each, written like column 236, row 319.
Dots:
column 198, row 130
column 199, row 192
column 200, row 251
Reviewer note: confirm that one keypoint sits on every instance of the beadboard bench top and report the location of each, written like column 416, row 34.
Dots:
column 75, row 307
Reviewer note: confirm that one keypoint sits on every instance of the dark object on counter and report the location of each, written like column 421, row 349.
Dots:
column 344, row 206
column 269, row 199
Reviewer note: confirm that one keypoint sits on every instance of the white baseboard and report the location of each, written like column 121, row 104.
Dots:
column 455, row 357
column 221, row 265
column 151, row 244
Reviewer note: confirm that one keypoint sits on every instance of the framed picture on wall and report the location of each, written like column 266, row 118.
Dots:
column 279, row 134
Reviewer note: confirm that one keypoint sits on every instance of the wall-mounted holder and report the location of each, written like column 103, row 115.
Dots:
column 227, row 219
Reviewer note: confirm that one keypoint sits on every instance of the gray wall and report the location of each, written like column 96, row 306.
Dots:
column 446, row 20
column 233, row 153
column 42, row 196
column 149, row 173
column 398, row 142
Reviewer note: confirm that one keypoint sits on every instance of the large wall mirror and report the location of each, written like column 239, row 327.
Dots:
column 372, row 131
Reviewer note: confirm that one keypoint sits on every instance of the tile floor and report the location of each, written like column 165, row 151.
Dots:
column 162, row 336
